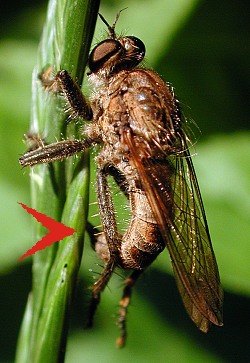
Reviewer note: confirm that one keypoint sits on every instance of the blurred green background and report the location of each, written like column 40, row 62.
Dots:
column 203, row 49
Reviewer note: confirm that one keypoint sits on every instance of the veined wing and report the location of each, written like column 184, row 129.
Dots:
column 173, row 193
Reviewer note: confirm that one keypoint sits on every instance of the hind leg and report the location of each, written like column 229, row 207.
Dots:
column 124, row 303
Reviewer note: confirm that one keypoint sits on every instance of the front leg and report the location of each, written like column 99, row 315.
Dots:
column 63, row 82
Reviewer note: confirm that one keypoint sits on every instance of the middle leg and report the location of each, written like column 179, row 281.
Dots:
column 111, row 237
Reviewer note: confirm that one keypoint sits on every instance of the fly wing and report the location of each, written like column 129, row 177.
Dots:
column 200, row 286
column 173, row 193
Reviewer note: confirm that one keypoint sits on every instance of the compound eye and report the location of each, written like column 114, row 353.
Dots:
column 102, row 53
column 138, row 44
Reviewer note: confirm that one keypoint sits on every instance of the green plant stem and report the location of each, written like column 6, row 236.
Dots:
column 59, row 190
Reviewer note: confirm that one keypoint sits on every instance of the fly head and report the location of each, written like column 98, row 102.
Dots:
column 115, row 54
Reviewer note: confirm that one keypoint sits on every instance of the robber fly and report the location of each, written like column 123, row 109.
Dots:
column 137, row 120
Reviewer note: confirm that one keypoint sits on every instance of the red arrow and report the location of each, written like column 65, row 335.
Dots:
column 57, row 231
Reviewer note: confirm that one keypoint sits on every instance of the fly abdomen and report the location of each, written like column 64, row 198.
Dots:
column 142, row 242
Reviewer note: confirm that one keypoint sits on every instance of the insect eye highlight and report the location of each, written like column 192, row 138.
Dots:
column 102, row 53
column 135, row 46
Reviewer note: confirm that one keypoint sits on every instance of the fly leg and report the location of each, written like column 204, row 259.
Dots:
column 98, row 242
column 112, row 240
column 124, row 303
column 64, row 83
column 92, row 232
column 57, row 151
column 38, row 152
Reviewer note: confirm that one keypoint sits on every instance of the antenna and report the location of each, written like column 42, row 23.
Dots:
column 111, row 29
